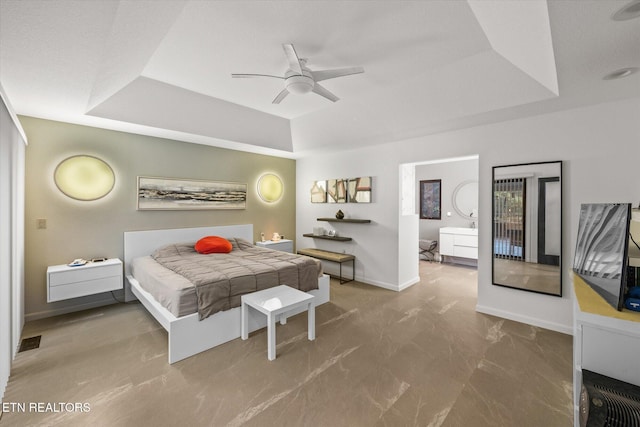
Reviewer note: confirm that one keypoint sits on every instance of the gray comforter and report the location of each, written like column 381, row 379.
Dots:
column 220, row 279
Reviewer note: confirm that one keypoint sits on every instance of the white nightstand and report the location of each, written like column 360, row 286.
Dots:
column 64, row 282
column 283, row 245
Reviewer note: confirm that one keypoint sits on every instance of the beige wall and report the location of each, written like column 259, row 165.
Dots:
column 94, row 229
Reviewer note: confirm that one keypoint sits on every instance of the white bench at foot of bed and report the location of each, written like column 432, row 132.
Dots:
column 188, row 335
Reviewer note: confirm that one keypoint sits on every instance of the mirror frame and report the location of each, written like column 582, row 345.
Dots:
column 493, row 228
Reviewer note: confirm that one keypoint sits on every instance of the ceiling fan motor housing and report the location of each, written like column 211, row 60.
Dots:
column 299, row 84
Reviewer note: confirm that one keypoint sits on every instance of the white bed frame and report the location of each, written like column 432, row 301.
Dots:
column 187, row 334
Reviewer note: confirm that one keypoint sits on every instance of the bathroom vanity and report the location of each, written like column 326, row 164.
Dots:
column 458, row 243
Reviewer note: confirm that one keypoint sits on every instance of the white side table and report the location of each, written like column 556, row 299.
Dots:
column 274, row 302
column 283, row 245
column 64, row 282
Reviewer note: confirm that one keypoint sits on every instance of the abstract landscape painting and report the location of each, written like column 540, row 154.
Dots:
column 181, row 194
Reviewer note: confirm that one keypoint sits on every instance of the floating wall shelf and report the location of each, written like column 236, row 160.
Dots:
column 356, row 221
column 337, row 238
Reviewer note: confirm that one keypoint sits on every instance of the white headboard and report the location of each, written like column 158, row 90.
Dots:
column 141, row 243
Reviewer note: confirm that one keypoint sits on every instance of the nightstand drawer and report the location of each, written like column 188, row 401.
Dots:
column 64, row 282
column 281, row 245
column 80, row 289
column 83, row 274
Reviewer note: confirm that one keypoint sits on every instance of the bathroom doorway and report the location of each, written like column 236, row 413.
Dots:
column 458, row 205
column 457, row 202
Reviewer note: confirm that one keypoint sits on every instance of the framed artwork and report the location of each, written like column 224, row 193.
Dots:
column 602, row 249
column 359, row 189
column 337, row 191
column 319, row 192
column 430, row 196
column 189, row 194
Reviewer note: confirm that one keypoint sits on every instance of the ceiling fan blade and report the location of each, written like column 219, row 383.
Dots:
column 324, row 92
column 292, row 57
column 282, row 95
column 246, row 76
column 331, row 74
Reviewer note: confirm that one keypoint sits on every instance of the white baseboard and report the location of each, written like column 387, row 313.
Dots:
column 358, row 278
column 389, row 286
column 70, row 309
column 380, row 284
column 525, row 319
column 408, row 283
column 384, row 285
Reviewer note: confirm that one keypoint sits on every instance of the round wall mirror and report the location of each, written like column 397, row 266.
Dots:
column 84, row 177
column 465, row 199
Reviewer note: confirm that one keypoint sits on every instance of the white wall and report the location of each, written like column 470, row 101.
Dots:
column 12, row 150
column 599, row 147
column 373, row 243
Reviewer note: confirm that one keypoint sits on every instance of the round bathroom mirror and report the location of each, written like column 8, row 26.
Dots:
column 465, row 199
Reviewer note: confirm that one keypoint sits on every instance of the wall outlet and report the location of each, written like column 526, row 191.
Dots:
column 41, row 223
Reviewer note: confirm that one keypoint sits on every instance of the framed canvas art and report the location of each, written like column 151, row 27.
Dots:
column 189, row 194
column 359, row 189
column 430, row 193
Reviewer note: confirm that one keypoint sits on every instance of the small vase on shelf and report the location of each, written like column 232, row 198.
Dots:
column 339, row 214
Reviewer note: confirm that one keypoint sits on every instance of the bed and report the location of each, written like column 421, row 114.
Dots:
column 188, row 335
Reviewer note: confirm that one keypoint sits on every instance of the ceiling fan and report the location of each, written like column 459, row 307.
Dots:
column 299, row 79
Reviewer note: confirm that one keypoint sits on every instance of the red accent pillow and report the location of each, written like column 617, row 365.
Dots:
column 213, row 244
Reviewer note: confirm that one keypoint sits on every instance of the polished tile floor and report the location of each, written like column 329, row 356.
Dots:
column 422, row 357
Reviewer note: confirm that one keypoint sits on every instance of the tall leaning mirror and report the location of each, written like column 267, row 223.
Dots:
column 527, row 227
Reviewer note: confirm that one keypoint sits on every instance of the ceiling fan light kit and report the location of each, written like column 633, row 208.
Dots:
column 299, row 84
column 299, row 79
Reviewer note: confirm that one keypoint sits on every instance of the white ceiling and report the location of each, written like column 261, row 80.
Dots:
column 164, row 68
